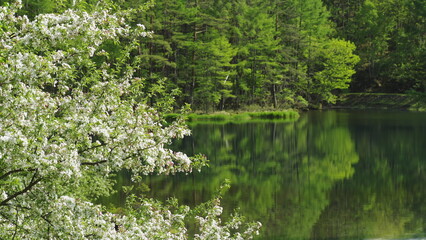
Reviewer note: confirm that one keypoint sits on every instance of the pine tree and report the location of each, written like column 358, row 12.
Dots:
column 214, row 85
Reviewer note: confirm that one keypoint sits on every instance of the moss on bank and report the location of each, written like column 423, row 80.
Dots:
column 288, row 115
column 381, row 101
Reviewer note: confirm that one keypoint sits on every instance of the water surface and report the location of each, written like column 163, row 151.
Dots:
column 328, row 175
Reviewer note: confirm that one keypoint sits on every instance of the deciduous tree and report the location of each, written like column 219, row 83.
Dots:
column 72, row 113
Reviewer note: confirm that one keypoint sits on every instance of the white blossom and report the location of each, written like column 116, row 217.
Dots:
column 3, row 196
column 64, row 131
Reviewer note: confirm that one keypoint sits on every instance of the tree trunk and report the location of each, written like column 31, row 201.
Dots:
column 274, row 95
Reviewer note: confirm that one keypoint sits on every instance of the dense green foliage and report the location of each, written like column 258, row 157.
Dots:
column 293, row 53
column 390, row 39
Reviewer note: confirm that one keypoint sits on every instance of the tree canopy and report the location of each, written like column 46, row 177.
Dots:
column 226, row 55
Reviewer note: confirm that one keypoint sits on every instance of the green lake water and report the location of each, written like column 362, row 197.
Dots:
column 328, row 175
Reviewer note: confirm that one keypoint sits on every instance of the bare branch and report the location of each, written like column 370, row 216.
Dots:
column 16, row 171
column 33, row 182
column 91, row 148
column 93, row 163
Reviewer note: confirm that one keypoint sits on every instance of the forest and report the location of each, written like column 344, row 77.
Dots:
column 87, row 88
column 219, row 55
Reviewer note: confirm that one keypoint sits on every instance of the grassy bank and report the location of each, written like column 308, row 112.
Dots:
column 238, row 117
column 381, row 101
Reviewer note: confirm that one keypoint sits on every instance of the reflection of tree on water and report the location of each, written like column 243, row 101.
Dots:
column 326, row 157
column 281, row 173
column 385, row 197
column 299, row 178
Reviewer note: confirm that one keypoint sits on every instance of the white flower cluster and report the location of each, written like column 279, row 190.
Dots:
column 65, row 118
column 95, row 126
column 212, row 228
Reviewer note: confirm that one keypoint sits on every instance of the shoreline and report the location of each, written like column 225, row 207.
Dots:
column 348, row 101
column 380, row 101
column 281, row 115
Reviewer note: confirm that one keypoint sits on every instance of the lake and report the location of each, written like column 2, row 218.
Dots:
column 328, row 175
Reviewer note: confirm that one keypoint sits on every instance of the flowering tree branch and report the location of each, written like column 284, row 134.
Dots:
column 71, row 115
